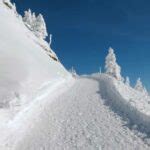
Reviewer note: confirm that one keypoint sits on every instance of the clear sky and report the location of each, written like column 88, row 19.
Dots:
column 83, row 30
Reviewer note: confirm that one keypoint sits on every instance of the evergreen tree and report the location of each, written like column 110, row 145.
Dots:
column 28, row 19
column 33, row 24
column 40, row 27
column 50, row 40
column 36, row 24
column 139, row 87
column 73, row 72
column 111, row 66
column 127, row 81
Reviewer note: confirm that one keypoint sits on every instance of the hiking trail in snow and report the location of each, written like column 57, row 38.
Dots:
column 77, row 119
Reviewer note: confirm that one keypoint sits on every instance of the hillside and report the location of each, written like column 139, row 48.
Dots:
column 44, row 107
column 25, row 66
column 28, row 66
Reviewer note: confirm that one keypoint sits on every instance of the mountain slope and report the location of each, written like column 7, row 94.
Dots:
column 28, row 66
column 76, row 119
column 43, row 108
column 25, row 65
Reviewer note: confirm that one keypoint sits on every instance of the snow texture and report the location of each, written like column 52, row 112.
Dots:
column 43, row 108
column 76, row 118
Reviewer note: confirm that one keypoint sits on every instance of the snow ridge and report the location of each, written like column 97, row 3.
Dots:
column 126, row 100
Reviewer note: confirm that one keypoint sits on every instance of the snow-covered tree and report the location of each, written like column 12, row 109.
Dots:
column 100, row 70
column 28, row 18
column 127, row 81
column 40, row 27
column 73, row 72
column 111, row 66
column 50, row 39
column 36, row 24
column 139, row 87
column 33, row 22
column 33, row 18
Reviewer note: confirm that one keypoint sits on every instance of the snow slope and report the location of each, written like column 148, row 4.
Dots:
column 29, row 69
column 76, row 119
column 25, row 67
column 43, row 108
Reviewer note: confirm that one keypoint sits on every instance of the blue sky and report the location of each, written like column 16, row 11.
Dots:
column 83, row 30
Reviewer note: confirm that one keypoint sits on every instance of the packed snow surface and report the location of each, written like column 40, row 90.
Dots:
column 76, row 118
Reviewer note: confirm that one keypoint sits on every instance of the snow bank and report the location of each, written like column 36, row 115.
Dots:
column 125, row 99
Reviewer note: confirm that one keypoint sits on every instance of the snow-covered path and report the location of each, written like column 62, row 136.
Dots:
column 78, row 119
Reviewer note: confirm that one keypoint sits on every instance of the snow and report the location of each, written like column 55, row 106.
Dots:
column 25, row 65
column 26, row 68
column 76, row 118
column 127, row 100
column 42, row 107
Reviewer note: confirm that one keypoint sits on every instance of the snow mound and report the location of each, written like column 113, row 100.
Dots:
column 134, row 104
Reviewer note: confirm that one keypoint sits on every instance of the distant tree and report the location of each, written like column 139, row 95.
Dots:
column 28, row 19
column 127, row 81
column 139, row 87
column 36, row 24
column 33, row 17
column 40, row 27
column 33, row 22
column 111, row 66
column 50, row 39
column 73, row 72
column 100, row 70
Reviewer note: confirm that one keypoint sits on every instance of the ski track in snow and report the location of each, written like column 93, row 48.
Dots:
column 77, row 119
